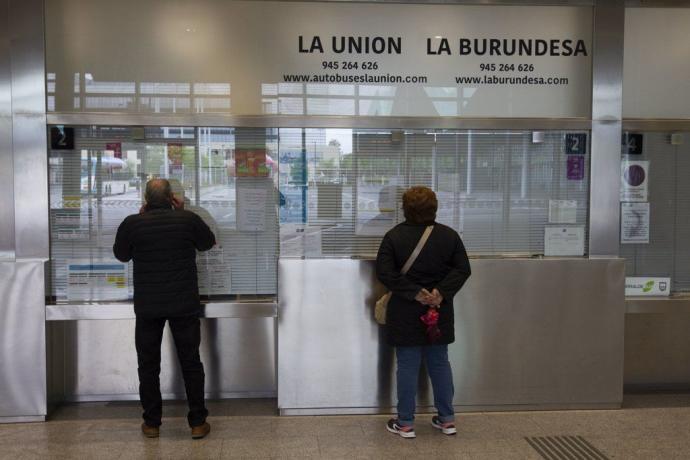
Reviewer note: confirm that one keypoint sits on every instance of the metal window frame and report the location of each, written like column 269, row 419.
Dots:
column 605, row 123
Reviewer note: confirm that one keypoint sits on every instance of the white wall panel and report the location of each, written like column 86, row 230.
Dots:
column 656, row 72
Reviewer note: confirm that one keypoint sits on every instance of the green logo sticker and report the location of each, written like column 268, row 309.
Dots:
column 648, row 286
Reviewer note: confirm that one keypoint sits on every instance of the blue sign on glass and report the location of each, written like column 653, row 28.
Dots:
column 293, row 187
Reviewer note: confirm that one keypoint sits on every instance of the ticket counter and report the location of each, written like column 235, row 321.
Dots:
column 294, row 142
column 530, row 334
column 97, row 361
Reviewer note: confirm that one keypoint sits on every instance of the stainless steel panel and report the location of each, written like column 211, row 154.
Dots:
column 6, row 168
column 607, row 60
column 26, row 28
column 29, row 128
column 105, row 311
column 657, row 350
column 101, row 365
column 40, row 418
column 288, row 121
column 604, row 201
column 331, row 353
column 22, row 339
column 30, row 187
column 657, row 305
column 656, row 125
column 607, row 106
column 531, row 333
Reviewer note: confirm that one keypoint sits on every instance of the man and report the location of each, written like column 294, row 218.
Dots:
column 162, row 240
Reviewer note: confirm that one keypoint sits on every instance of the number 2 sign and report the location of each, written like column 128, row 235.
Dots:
column 576, row 143
column 61, row 138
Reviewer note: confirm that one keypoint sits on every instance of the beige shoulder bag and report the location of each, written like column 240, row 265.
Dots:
column 382, row 303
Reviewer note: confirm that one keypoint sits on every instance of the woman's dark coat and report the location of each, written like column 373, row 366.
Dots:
column 442, row 264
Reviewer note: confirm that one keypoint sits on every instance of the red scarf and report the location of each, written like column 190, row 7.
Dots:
column 430, row 319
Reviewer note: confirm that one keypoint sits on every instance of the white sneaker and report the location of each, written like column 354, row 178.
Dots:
column 406, row 431
column 446, row 428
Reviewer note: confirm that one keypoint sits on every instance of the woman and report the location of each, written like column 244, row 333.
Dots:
column 427, row 289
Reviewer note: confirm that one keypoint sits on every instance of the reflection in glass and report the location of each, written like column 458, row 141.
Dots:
column 358, row 100
column 150, row 97
column 301, row 192
column 94, row 187
column 341, row 189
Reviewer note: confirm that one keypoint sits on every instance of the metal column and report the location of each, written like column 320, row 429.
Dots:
column 607, row 106
column 6, row 163
column 24, row 216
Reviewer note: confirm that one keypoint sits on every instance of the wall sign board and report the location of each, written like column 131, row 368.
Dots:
column 321, row 58
column 575, row 167
column 647, row 286
column 631, row 144
column 61, row 138
column 564, row 240
column 634, row 181
column 635, row 223
column 576, row 144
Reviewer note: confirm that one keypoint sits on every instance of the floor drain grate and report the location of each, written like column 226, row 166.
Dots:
column 565, row 447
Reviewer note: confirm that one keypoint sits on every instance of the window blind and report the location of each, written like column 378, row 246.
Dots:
column 667, row 252
column 342, row 189
column 313, row 193
column 96, row 185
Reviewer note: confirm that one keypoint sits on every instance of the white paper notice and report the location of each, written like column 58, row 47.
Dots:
column 634, row 180
column 76, row 234
column 562, row 211
column 251, row 209
column 634, row 223
column 564, row 241
column 214, row 272
column 97, row 280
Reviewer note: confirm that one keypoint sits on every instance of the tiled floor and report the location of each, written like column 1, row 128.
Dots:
column 648, row 427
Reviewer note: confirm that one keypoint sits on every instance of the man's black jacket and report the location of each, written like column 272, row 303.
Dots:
column 163, row 244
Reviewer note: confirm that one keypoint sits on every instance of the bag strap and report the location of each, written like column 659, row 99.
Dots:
column 417, row 250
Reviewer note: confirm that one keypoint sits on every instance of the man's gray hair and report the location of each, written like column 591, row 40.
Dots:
column 158, row 192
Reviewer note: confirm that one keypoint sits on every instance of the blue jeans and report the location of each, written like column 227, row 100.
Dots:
column 409, row 360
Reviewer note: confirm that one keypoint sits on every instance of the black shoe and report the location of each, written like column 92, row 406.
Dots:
column 406, row 431
column 446, row 428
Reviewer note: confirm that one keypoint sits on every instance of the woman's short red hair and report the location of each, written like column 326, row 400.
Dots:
column 420, row 205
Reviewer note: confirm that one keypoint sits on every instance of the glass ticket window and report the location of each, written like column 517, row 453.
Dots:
column 97, row 177
column 341, row 189
column 302, row 192
column 655, row 206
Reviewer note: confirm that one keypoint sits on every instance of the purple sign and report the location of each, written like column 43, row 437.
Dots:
column 576, row 167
